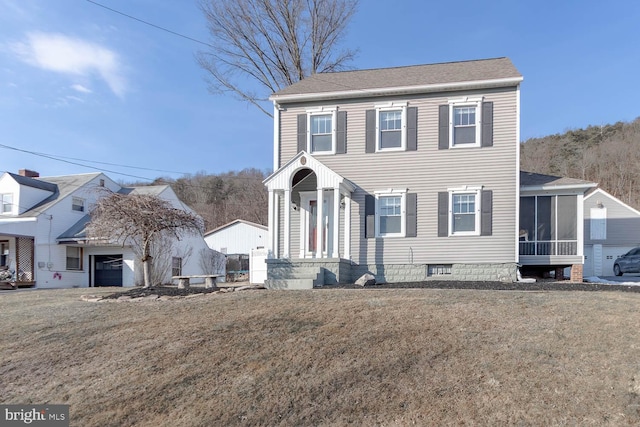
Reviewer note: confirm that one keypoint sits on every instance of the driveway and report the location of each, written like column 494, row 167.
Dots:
column 625, row 278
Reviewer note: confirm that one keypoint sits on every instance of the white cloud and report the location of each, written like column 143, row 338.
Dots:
column 67, row 55
column 81, row 89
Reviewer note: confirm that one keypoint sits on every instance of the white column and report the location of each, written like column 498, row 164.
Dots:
column 271, row 239
column 287, row 222
column 347, row 227
column 336, row 224
column 276, row 225
column 319, row 224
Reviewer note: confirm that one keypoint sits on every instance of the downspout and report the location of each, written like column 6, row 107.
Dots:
column 517, row 210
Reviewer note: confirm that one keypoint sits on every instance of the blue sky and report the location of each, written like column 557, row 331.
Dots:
column 82, row 83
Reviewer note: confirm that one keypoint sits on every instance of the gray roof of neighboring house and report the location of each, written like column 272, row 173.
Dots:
column 77, row 231
column 64, row 185
column 33, row 182
column 403, row 77
column 531, row 179
column 153, row 190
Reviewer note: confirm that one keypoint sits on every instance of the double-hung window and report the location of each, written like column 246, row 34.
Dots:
column 74, row 258
column 391, row 126
column 7, row 203
column 321, row 124
column 464, row 211
column 390, row 213
column 176, row 266
column 465, row 130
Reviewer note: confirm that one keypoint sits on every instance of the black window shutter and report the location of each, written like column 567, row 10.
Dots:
column 443, row 127
column 341, row 133
column 302, row 132
column 486, row 213
column 370, row 131
column 487, row 124
column 443, row 214
column 370, row 216
column 412, row 215
column 412, row 128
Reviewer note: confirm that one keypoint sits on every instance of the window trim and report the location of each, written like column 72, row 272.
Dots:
column 3, row 204
column 80, row 258
column 467, row 101
column 392, row 106
column 477, row 192
column 176, row 260
column 402, row 193
column 74, row 201
column 323, row 111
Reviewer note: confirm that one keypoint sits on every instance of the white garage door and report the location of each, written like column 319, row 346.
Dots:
column 598, row 259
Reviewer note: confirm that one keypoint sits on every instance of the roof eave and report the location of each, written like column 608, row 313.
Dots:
column 398, row 90
column 551, row 187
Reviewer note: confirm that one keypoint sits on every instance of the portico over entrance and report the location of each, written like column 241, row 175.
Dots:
column 309, row 210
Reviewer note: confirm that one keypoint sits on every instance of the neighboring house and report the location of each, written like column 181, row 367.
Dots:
column 237, row 237
column 410, row 173
column 611, row 228
column 42, row 238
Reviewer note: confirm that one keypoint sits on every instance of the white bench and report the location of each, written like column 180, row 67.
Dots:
column 209, row 280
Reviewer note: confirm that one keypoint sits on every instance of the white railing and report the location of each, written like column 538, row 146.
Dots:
column 549, row 247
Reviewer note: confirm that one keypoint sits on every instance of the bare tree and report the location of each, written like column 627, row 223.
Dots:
column 140, row 221
column 211, row 261
column 273, row 43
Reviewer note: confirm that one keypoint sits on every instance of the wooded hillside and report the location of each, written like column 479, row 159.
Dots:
column 608, row 155
column 222, row 198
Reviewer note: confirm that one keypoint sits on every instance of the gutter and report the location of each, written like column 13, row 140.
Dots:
column 399, row 90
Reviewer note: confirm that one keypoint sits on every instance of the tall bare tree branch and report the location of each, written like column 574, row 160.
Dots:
column 271, row 44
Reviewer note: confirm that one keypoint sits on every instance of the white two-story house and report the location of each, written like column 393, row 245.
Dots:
column 42, row 238
column 410, row 173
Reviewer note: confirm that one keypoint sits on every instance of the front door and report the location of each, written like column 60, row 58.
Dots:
column 108, row 270
column 309, row 224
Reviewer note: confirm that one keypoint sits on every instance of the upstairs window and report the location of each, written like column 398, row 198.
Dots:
column 322, row 133
column 7, row 203
column 77, row 204
column 464, row 126
column 390, row 125
column 465, row 122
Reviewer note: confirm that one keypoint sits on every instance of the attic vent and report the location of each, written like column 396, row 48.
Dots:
column 102, row 183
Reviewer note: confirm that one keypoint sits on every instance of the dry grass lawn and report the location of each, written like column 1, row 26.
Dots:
column 327, row 357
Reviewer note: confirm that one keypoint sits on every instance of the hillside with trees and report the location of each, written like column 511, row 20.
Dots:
column 608, row 155
column 225, row 197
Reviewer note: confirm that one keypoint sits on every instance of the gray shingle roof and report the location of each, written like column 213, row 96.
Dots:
column 33, row 182
column 402, row 77
column 65, row 185
column 530, row 179
column 77, row 231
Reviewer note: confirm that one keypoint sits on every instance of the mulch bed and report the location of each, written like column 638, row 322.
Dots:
column 448, row 284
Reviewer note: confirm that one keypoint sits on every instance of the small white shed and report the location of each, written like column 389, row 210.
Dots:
column 237, row 237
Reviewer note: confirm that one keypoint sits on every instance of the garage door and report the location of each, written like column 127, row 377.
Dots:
column 108, row 270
